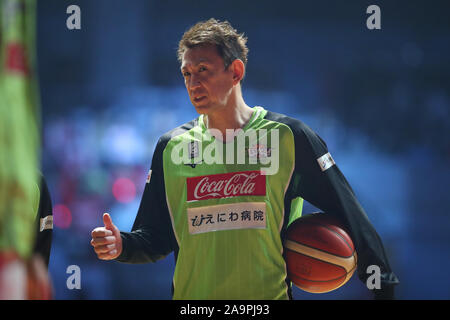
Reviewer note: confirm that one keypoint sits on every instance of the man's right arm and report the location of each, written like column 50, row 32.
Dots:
column 151, row 237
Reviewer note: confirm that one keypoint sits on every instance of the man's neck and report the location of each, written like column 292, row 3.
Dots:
column 234, row 116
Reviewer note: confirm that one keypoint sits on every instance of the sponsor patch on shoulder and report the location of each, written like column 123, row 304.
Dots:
column 326, row 161
column 149, row 175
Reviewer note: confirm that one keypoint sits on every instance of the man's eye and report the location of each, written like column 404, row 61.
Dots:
column 201, row 69
column 186, row 74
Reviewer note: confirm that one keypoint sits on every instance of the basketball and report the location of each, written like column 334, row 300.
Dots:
column 320, row 255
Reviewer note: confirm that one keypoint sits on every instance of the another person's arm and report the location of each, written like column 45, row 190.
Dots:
column 44, row 223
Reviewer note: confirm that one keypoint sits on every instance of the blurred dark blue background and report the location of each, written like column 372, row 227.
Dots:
column 379, row 98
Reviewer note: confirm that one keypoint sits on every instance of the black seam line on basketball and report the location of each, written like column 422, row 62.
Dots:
column 334, row 254
column 340, row 284
column 324, row 280
column 348, row 244
column 344, row 276
column 319, row 260
column 316, row 223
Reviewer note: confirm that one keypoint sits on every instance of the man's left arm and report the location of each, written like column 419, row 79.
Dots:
column 324, row 186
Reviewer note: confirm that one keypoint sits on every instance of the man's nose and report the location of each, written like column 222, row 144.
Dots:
column 193, row 83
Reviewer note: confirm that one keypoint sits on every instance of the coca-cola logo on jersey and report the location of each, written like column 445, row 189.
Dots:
column 233, row 184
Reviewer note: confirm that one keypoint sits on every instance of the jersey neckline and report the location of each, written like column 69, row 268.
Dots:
column 257, row 113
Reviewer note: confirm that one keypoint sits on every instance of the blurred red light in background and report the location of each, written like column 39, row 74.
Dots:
column 62, row 217
column 124, row 190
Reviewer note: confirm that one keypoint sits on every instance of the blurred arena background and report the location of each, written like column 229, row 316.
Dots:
column 379, row 98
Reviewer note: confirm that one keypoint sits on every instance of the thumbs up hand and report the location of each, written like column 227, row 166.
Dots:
column 106, row 240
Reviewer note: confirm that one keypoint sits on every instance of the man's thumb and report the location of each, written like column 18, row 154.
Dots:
column 107, row 221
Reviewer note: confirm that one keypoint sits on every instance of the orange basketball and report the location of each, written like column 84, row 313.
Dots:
column 320, row 255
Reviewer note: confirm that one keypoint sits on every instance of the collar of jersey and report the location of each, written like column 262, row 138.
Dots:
column 257, row 110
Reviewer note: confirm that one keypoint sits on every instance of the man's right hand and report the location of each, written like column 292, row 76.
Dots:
column 106, row 240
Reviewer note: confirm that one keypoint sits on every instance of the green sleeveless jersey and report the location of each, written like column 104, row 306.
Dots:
column 223, row 205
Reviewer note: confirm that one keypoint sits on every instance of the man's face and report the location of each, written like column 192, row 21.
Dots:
column 207, row 82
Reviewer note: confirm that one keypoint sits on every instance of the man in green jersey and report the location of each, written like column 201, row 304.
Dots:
column 223, row 188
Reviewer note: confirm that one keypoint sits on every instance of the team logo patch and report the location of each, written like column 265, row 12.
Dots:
column 259, row 151
column 326, row 162
column 233, row 184
column 243, row 215
column 193, row 149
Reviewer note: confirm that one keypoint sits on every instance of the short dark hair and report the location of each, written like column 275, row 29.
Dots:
column 230, row 44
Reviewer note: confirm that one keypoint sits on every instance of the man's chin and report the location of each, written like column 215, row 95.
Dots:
column 202, row 109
